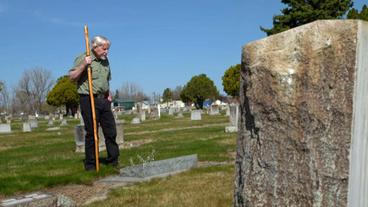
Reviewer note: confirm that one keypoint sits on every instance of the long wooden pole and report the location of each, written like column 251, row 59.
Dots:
column 95, row 135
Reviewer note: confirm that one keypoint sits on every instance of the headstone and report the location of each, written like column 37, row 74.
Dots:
column 47, row 117
column 136, row 120
column 38, row 199
column 160, row 167
column 234, row 118
column 196, row 115
column 227, row 108
column 79, row 136
column 303, row 138
column 172, row 110
column 61, row 116
column 159, row 110
column 5, row 128
column 139, row 107
column 8, row 119
column 180, row 115
column 154, row 113
column 214, row 110
column 64, row 122
column 142, row 115
column 34, row 199
column 53, row 129
column 149, row 109
column 81, row 120
column 27, row 127
column 33, row 123
column 50, row 122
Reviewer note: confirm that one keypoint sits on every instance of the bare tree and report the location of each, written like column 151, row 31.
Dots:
column 133, row 92
column 32, row 89
column 4, row 98
column 176, row 92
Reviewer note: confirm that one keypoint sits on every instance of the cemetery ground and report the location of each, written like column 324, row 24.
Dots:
column 46, row 161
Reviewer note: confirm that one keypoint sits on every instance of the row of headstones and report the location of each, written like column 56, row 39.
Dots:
column 153, row 113
column 28, row 125
column 212, row 110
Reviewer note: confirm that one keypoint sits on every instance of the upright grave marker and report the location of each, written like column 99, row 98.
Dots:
column 303, row 137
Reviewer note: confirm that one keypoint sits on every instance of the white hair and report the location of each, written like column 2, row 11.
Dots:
column 99, row 40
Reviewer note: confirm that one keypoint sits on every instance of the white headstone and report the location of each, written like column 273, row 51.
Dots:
column 214, row 110
column 234, row 118
column 227, row 110
column 5, row 128
column 33, row 123
column 143, row 115
column 27, row 127
column 196, row 115
column 136, row 120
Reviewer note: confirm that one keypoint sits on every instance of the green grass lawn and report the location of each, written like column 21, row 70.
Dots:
column 40, row 159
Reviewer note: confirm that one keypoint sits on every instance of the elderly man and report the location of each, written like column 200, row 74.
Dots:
column 101, row 76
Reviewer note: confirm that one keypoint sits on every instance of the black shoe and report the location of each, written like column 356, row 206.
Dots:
column 93, row 168
column 114, row 164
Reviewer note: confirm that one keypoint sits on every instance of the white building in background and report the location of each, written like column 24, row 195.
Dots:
column 219, row 103
column 175, row 104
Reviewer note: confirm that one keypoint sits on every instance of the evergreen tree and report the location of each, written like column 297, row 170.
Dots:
column 167, row 96
column 64, row 93
column 231, row 80
column 355, row 14
column 299, row 12
column 198, row 89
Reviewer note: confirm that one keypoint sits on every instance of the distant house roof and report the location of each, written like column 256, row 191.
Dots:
column 127, row 104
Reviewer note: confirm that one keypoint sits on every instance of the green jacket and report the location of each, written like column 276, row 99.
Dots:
column 101, row 75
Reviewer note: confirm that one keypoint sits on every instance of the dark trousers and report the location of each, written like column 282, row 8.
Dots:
column 105, row 119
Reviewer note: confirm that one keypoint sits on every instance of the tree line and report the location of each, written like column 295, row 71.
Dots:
column 34, row 94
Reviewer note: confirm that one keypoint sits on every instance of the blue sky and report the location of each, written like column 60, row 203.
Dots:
column 155, row 44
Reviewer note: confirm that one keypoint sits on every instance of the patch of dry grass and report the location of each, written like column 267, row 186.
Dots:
column 211, row 186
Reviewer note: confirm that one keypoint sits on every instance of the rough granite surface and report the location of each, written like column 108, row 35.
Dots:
column 296, row 117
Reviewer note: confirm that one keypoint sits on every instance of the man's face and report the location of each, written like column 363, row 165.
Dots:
column 102, row 51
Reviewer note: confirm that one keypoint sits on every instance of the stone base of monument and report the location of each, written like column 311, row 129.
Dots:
column 231, row 129
column 160, row 167
column 79, row 135
column 38, row 199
